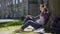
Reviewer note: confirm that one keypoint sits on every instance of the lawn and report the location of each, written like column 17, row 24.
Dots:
column 10, row 30
column 9, row 27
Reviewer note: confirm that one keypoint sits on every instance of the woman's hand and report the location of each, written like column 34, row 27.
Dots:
column 29, row 16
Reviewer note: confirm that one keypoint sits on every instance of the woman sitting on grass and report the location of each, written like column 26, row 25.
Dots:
column 35, row 22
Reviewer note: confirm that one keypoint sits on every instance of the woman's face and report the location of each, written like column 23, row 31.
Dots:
column 41, row 9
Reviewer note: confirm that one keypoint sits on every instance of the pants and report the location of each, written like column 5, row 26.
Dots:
column 28, row 21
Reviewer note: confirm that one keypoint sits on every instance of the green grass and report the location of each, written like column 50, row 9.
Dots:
column 9, row 27
column 10, row 30
column 14, row 23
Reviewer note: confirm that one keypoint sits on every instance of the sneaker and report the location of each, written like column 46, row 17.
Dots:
column 40, row 30
column 18, row 30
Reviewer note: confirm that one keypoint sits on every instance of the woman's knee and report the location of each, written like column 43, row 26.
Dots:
column 28, row 16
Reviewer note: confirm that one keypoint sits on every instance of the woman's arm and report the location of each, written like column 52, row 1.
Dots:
column 36, row 17
column 30, row 16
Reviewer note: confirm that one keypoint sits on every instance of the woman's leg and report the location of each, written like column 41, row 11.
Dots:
column 26, row 19
column 32, row 23
column 29, row 22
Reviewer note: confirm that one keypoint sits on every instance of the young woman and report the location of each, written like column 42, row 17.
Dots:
column 35, row 22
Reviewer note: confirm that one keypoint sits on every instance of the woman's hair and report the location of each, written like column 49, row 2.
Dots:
column 41, row 5
column 45, row 9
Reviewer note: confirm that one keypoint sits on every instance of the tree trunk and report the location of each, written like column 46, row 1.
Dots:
column 54, row 8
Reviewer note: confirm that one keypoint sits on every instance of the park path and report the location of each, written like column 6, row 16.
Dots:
column 7, row 20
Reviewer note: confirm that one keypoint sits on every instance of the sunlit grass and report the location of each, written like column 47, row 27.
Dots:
column 10, row 30
column 9, row 27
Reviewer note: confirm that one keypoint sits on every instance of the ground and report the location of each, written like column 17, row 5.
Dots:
column 10, row 30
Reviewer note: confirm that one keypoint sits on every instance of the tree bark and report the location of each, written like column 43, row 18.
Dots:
column 54, row 8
